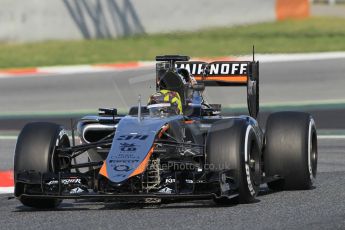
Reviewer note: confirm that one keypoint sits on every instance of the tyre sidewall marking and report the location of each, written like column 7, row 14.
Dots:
column 62, row 133
column 246, row 161
column 310, row 136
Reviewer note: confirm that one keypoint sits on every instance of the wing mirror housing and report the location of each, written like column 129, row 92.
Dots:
column 107, row 112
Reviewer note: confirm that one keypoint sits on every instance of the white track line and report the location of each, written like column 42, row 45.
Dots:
column 331, row 136
column 269, row 58
column 6, row 190
column 8, row 137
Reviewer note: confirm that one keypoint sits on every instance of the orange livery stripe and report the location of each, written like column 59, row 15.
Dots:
column 103, row 170
column 142, row 167
column 237, row 79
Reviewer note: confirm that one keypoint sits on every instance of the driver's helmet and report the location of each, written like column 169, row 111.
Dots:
column 165, row 103
column 186, row 77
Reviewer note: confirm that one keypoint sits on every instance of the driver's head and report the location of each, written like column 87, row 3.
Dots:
column 189, row 81
column 165, row 102
column 186, row 77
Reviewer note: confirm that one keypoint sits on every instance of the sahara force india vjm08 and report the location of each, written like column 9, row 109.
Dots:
column 177, row 147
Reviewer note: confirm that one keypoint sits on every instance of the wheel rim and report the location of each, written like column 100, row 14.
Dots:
column 312, row 151
column 60, row 163
column 252, row 163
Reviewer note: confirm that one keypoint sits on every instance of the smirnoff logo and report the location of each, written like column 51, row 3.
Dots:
column 215, row 68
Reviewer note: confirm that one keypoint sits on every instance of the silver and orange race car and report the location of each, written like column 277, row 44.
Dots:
column 156, row 154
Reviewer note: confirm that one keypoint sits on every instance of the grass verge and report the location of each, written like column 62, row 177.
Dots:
column 309, row 35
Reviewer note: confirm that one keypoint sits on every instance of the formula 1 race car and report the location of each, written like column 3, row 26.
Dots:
column 178, row 147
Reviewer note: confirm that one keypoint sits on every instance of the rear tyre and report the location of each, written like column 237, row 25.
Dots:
column 291, row 150
column 232, row 146
column 36, row 151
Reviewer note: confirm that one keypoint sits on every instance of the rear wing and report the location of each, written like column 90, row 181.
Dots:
column 219, row 73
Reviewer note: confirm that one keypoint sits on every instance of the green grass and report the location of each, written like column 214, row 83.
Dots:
column 309, row 35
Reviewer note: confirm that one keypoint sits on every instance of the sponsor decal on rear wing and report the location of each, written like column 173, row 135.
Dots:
column 219, row 72
column 228, row 73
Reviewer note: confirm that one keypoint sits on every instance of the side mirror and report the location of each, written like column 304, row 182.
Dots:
column 199, row 87
column 104, row 112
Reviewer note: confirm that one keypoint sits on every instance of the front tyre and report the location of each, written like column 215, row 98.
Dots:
column 232, row 146
column 36, row 150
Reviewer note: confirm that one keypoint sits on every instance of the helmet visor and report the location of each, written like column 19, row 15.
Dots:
column 162, row 110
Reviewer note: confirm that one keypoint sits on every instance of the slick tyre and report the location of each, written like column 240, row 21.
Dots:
column 36, row 151
column 232, row 146
column 291, row 150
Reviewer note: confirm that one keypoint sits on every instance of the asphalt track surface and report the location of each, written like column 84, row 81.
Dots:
column 320, row 208
column 280, row 82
